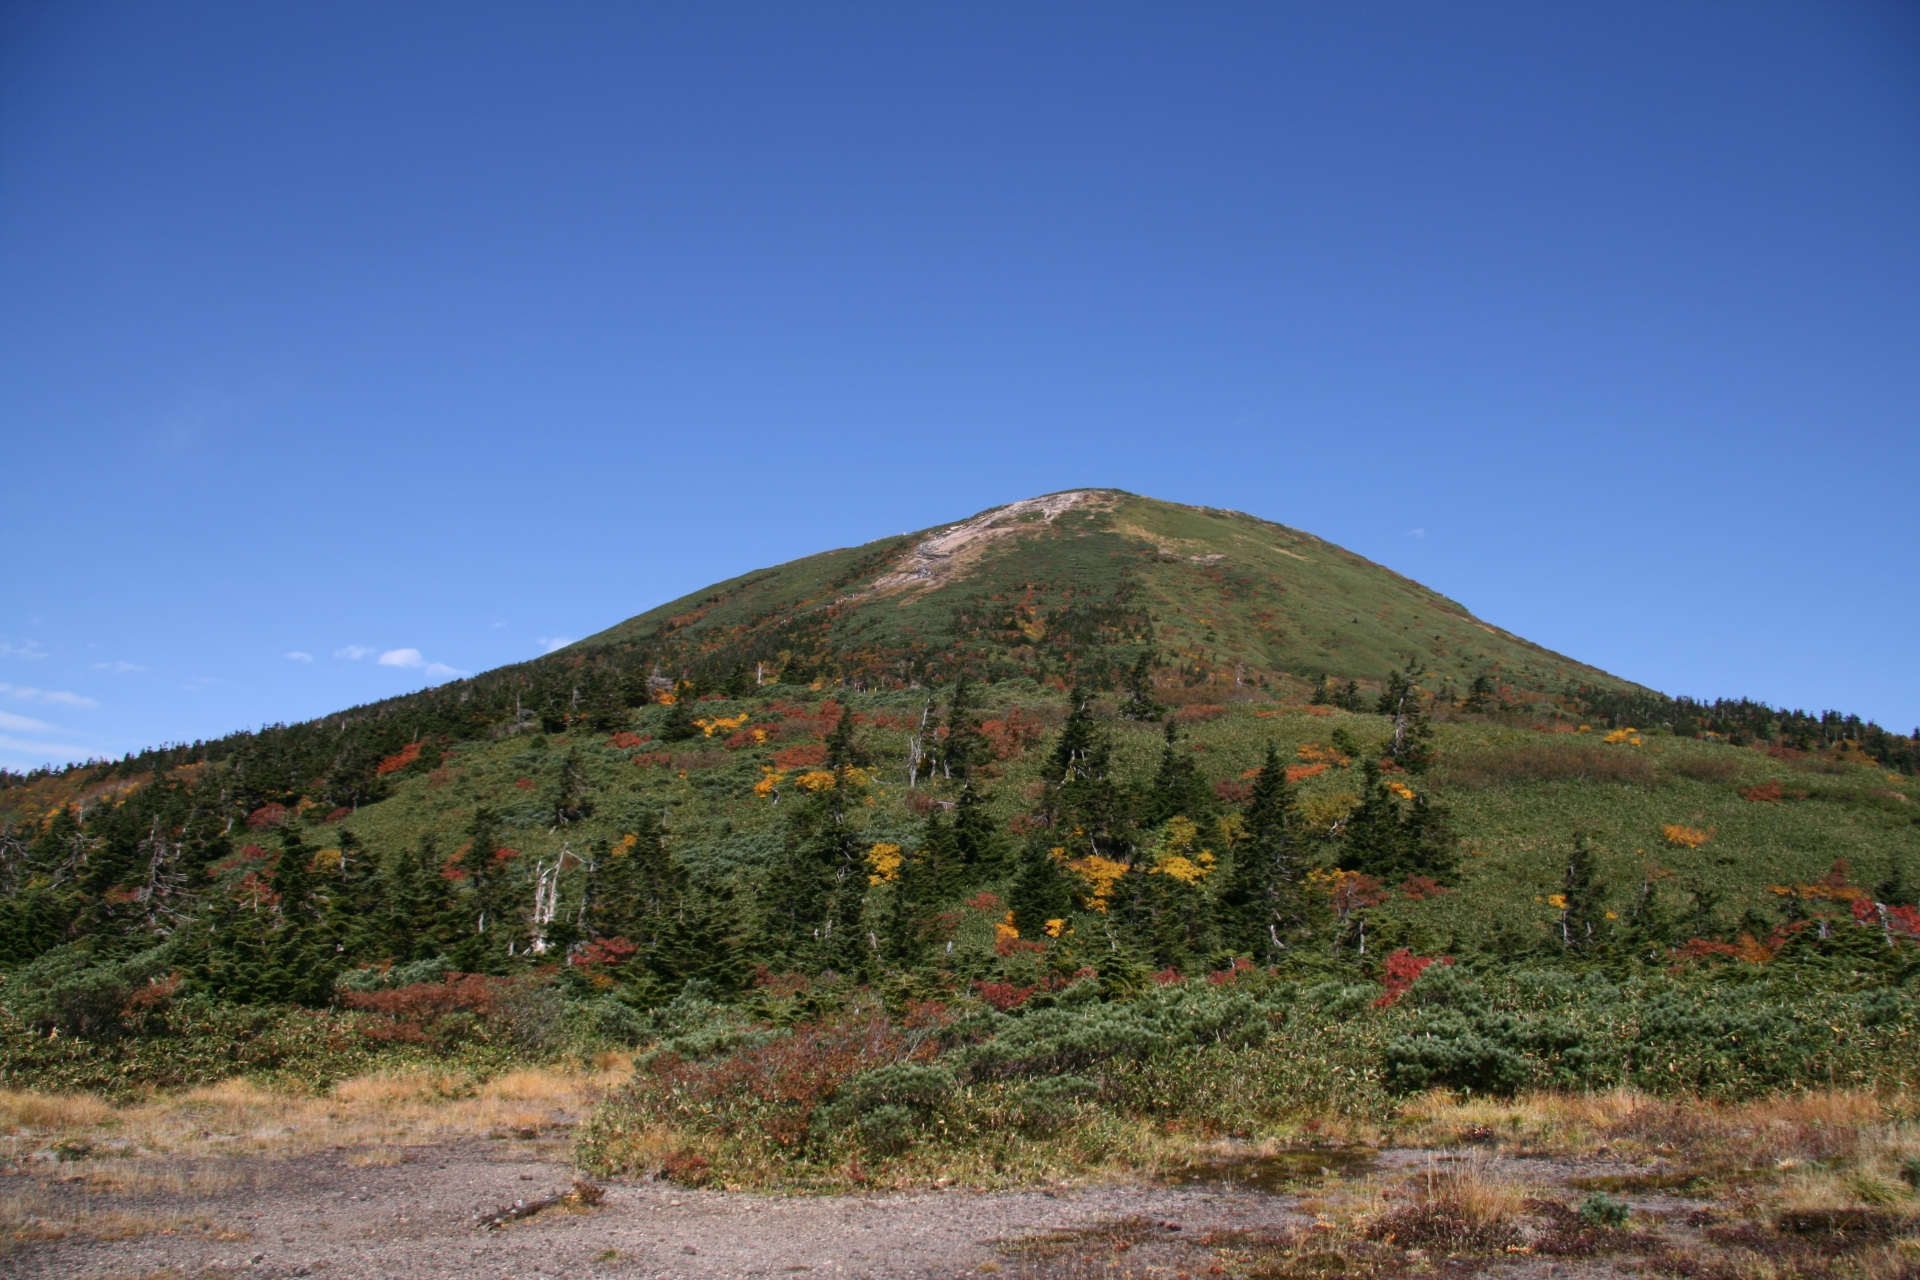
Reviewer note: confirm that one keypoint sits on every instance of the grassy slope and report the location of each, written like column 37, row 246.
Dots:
column 1224, row 588
column 1515, row 833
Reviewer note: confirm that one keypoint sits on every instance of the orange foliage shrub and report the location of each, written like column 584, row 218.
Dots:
column 1004, row 995
column 1198, row 711
column 399, row 760
column 1685, row 837
column 1233, row 792
column 804, row 755
column 649, row 759
column 1300, row 772
column 1765, row 793
column 628, row 741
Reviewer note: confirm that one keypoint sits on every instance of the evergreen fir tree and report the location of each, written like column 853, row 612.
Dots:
column 567, row 802
column 1140, row 704
column 815, row 896
column 965, row 747
column 1584, row 899
column 1392, row 839
column 678, row 725
column 423, row 921
column 1177, row 788
column 1040, row 892
column 1260, row 899
column 488, row 935
column 976, row 840
column 1319, row 696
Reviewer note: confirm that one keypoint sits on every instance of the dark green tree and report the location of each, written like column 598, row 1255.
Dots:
column 1393, row 838
column 1177, row 789
column 1140, row 704
column 815, row 896
column 1583, row 899
column 1261, row 901
column 964, row 747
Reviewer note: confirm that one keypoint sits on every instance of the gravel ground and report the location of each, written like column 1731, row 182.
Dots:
column 324, row 1215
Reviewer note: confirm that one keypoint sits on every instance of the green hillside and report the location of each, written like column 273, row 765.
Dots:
column 1020, row 778
column 1075, row 585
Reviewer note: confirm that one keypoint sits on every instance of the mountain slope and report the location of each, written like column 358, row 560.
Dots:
column 1075, row 585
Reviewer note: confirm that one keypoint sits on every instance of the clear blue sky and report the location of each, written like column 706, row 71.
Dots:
column 442, row 331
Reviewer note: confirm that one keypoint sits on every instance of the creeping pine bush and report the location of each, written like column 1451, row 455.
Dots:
column 888, row 1107
column 77, row 991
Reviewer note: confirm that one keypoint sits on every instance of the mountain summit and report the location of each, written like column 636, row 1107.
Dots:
column 1074, row 586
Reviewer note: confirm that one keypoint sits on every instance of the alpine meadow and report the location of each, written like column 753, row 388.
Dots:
column 1060, row 842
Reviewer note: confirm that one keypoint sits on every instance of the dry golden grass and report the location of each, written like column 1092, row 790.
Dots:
column 382, row 1113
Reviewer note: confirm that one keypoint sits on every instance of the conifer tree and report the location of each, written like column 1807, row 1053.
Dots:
column 976, row 841
column 423, row 921
column 1040, row 892
column 1583, row 899
column 488, row 933
column 1392, row 838
column 1140, row 704
column 965, row 747
column 358, row 901
column 1177, row 788
column 1260, row 899
column 678, row 725
column 815, row 896
column 568, row 802
column 1319, row 696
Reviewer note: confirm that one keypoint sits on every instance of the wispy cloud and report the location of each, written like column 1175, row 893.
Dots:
column 28, row 649
column 41, row 751
column 23, row 724
column 550, row 643
column 298, row 656
column 59, row 696
column 118, row 666
column 354, row 651
column 1416, row 533
column 414, row 660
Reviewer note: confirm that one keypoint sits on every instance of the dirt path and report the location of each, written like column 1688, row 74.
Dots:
column 321, row 1215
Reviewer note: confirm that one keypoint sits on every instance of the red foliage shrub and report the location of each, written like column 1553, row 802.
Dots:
column 399, row 760
column 774, row 1088
column 921, row 802
column 1168, row 976
column 267, row 815
column 1021, row 823
column 416, row 1014
column 1420, row 888
column 1013, row 735
column 690, row 760
column 1765, row 793
column 744, row 738
column 1199, row 711
column 651, row 759
column 1221, row 977
column 805, row 755
column 1017, row 947
column 1004, row 995
column 611, row 952
column 1403, row 968
column 337, row 814
column 525, row 784
column 628, row 741
column 782, row 986
column 1233, row 792
column 984, row 901
column 688, row 1168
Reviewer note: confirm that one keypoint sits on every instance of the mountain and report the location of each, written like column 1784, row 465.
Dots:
column 868, row 768
column 1074, row 586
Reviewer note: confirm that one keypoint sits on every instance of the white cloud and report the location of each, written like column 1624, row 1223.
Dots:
column 31, row 649
column 117, row 666
column 414, row 660
column 46, row 695
column 298, row 656
column 43, row 751
column 550, row 643
column 22, row 724
column 1416, row 533
column 355, row 651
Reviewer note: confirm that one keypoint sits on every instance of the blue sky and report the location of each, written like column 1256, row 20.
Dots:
column 347, row 346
